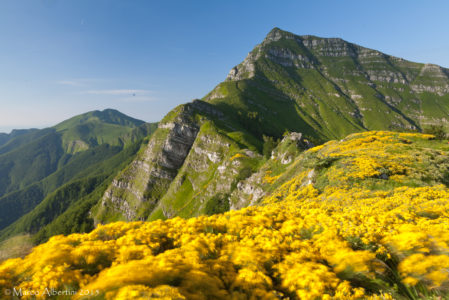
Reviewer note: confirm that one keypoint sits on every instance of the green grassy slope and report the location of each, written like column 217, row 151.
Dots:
column 30, row 162
column 18, row 246
column 77, row 216
column 15, row 204
column 86, row 186
column 5, row 138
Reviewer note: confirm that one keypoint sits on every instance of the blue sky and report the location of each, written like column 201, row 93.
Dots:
column 62, row 58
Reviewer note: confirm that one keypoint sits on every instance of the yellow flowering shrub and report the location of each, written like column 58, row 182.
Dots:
column 141, row 292
column 270, row 179
column 304, row 241
column 238, row 155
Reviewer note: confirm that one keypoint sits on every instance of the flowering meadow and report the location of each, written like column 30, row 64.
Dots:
column 366, row 217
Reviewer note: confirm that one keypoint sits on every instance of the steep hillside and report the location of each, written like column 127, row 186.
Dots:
column 66, row 209
column 35, row 163
column 5, row 137
column 361, row 218
column 207, row 156
column 187, row 167
column 30, row 162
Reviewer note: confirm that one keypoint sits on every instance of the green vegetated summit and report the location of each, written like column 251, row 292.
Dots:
column 212, row 154
column 94, row 128
column 71, row 158
column 328, row 88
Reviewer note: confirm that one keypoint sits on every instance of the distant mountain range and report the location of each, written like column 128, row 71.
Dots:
column 211, row 155
column 64, row 162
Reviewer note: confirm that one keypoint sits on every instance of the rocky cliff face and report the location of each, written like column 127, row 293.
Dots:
column 134, row 193
column 176, row 148
column 192, row 165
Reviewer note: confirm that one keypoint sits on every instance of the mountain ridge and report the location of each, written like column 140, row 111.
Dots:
column 324, row 88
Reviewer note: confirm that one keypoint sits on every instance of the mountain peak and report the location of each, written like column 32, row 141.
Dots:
column 337, row 83
column 288, row 49
column 110, row 110
column 276, row 34
column 109, row 115
column 275, row 31
column 95, row 127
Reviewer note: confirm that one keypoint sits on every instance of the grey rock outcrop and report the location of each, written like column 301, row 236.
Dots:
column 138, row 189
